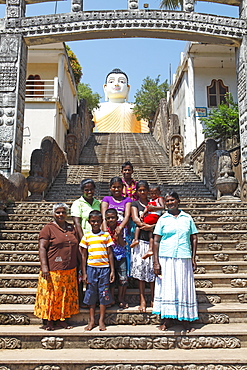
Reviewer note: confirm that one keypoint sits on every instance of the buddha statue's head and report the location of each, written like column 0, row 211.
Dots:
column 116, row 86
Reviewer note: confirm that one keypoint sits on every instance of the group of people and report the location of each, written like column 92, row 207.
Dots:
column 134, row 232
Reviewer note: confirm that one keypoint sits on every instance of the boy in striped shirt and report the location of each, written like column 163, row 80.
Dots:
column 97, row 268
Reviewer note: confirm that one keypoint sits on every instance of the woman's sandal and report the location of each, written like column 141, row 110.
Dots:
column 162, row 327
column 48, row 327
column 187, row 328
column 64, row 325
column 123, row 305
column 165, row 325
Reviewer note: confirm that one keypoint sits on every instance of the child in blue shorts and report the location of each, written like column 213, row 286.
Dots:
column 97, row 268
column 119, row 254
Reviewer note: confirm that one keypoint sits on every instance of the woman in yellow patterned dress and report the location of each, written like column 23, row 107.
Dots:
column 57, row 293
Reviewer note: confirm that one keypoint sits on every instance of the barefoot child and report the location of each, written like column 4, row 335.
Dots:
column 97, row 254
column 150, row 216
column 119, row 254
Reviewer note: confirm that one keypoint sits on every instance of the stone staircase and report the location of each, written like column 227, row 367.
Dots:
column 103, row 156
column 132, row 340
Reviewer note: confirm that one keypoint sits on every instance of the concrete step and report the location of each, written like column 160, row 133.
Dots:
column 220, row 313
column 30, row 264
column 123, row 359
column 204, row 258
column 222, row 254
column 35, row 224
column 214, row 337
column 217, row 266
column 226, row 245
column 212, row 295
column 202, row 280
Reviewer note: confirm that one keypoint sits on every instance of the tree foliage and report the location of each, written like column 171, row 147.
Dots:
column 148, row 97
column 75, row 65
column 92, row 99
column 171, row 4
column 223, row 122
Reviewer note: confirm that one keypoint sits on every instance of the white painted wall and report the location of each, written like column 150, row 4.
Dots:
column 48, row 118
column 197, row 69
column 39, row 122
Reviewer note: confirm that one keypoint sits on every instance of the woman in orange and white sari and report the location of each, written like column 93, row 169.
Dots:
column 57, row 293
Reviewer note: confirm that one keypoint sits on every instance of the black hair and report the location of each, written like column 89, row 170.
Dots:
column 172, row 193
column 142, row 183
column 111, row 210
column 154, row 186
column 116, row 179
column 127, row 163
column 94, row 213
column 85, row 182
column 117, row 70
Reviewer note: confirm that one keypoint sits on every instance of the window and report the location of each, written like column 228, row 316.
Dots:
column 216, row 93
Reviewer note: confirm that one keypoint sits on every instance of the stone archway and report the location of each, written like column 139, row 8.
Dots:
column 20, row 31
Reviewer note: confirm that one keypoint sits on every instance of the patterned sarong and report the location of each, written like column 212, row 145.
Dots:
column 57, row 296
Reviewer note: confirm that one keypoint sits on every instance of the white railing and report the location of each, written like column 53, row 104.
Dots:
column 46, row 89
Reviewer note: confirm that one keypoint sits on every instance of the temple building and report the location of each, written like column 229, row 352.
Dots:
column 205, row 74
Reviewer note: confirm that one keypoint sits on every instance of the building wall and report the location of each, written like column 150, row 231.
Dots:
column 48, row 116
column 42, row 70
column 203, row 78
column 200, row 64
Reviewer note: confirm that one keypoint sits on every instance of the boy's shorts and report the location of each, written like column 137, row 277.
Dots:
column 121, row 271
column 98, row 286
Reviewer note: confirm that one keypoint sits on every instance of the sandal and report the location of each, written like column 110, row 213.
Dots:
column 123, row 305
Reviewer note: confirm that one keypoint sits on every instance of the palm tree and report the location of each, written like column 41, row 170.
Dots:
column 171, row 4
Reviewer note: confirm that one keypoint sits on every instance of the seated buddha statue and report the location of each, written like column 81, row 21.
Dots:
column 116, row 114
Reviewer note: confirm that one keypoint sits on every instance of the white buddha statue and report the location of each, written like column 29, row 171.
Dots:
column 116, row 114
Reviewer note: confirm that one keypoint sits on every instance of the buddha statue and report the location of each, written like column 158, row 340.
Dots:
column 116, row 114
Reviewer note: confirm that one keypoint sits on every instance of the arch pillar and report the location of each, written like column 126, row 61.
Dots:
column 242, row 92
column 13, row 64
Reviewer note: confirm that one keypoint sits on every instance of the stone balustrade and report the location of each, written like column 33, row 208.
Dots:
column 46, row 164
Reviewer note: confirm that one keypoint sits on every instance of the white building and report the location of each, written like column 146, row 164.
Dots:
column 205, row 74
column 51, row 98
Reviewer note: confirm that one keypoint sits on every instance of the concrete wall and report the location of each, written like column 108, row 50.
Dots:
column 200, row 64
column 48, row 116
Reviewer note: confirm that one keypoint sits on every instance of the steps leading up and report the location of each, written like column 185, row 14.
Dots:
column 103, row 156
column 132, row 340
column 124, row 359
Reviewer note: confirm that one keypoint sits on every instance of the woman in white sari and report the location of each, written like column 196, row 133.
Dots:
column 175, row 244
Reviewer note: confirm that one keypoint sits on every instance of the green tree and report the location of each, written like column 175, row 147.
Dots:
column 222, row 123
column 148, row 97
column 92, row 99
column 75, row 65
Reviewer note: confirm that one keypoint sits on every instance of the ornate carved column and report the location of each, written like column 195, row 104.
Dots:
column 13, row 60
column 242, row 92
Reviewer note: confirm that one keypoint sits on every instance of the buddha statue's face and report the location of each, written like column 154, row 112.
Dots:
column 116, row 86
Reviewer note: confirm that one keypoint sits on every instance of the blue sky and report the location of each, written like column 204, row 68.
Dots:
column 139, row 58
